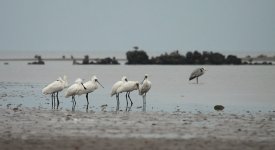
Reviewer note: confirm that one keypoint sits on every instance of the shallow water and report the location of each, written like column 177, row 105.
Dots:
column 238, row 88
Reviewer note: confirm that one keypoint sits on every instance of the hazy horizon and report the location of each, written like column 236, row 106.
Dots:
column 237, row 27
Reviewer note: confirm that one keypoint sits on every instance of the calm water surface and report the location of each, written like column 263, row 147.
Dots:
column 238, row 88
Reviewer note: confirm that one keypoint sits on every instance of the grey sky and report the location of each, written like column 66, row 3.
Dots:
column 235, row 25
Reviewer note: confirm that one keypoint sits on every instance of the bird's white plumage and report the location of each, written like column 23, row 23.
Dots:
column 75, row 89
column 117, row 85
column 90, row 86
column 196, row 73
column 128, row 86
column 145, row 86
column 56, row 86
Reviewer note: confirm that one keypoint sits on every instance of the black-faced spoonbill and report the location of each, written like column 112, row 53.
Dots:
column 196, row 73
column 115, row 87
column 128, row 87
column 55, row 87
column 144, row 88
column 90, row 86
column 75, row 89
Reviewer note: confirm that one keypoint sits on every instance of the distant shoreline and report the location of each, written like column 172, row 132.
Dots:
column 53, row 59
column 5, row 60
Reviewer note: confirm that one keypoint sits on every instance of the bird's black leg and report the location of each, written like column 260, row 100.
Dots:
column 73, row 106
column 197, row 80
column 130, row 98
column 52, row 100
column 74, row 101
column 57, row 99
column 87, row 108
column 87, row 102
column 87, row 99
column 117, row 98
column 126, row 99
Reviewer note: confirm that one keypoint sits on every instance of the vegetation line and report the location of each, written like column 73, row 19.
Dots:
column 137, row 56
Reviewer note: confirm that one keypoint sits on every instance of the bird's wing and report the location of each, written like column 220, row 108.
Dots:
column 121, row 88
column 145, row 87
column 55, row 86
column 115, row 87
column 72, row 90
column 195, row 73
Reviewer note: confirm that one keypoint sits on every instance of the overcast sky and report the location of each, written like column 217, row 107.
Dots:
column 235, row 25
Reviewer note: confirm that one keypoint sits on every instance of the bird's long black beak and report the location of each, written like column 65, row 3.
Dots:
column 99, row 84
column 83, row 86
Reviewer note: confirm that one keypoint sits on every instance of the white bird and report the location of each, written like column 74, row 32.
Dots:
column 144, row 88
column 116, row 86
column 75, row 89
column 90, row 86
column 196, row 73
column 55, row 87
column 128, row 87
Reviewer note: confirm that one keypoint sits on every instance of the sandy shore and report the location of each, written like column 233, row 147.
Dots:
column 32, row 128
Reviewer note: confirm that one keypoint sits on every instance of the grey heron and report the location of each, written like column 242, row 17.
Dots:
column 196, row 74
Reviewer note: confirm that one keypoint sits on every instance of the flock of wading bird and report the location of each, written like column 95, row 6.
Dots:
column 80, row 88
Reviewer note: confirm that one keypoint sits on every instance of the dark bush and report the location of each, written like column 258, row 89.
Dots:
column 86, row 60
column 172, row 58
column 231, row 59
column 140, row 57
column 137, row 57
column 107, row 60
column 217, row 59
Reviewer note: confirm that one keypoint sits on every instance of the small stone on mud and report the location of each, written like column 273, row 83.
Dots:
column 15, row 109
column 105, row 105
column 218, row 107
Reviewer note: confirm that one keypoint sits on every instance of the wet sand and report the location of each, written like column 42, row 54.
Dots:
column 34, row 128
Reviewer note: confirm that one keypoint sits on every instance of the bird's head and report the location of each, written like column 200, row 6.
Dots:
column 146, row 76
column 124, row 79
column 95, row 79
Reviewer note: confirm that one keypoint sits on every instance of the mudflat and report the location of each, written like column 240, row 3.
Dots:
column 34, row 128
